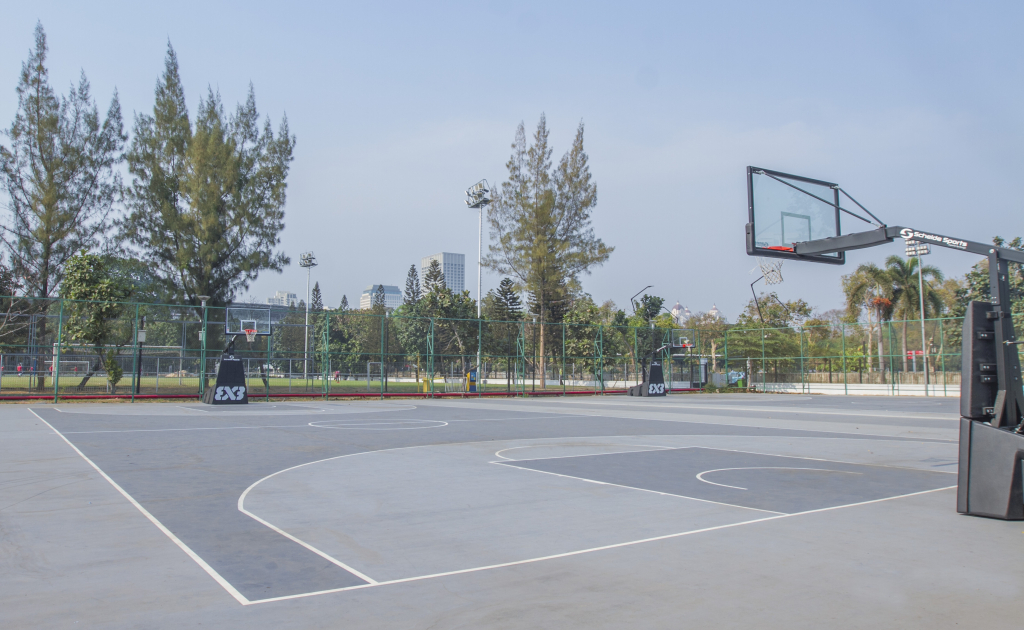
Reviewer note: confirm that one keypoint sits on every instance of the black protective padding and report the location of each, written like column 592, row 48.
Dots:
column 230, row 388
column 979, row 349
column 989, row 481
column 653, row 385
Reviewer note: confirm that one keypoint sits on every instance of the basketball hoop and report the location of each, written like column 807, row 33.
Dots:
column 771, row 269
column 250, row 334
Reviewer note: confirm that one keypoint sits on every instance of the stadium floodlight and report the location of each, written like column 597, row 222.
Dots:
column 306, row 260
column 917, row 248
column 477, row 199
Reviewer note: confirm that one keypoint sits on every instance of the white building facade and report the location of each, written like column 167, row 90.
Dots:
column 452, row 265
column 392, row 296
column 283, row 298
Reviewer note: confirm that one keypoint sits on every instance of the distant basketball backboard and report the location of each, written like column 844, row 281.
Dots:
column 784, row 209
column 239, row 319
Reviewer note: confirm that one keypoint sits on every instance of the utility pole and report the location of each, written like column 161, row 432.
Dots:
column 307, row 260
column 916, row 248
column 477, row 197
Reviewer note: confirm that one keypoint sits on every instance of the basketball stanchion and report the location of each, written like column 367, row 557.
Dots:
column 797, row 218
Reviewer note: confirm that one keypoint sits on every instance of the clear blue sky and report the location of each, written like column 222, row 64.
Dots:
column 913, row 107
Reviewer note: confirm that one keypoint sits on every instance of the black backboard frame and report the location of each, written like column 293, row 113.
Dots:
column 753, row 250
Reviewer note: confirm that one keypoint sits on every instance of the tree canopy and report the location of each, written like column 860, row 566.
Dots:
column 60, row 174
column 206, row 205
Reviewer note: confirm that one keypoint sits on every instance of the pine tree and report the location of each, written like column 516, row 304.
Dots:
column 344, row 304
column 508, row 306
column 207, row 201
column 60, row 174
column 379, row 301
column 433, row 280
column 413, row 293
column 316, row 301
column 541, row 221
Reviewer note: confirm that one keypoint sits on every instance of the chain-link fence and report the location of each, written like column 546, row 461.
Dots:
column 67, row 349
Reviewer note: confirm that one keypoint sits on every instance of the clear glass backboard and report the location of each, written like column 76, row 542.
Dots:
column 786, row 209
column 238, row 319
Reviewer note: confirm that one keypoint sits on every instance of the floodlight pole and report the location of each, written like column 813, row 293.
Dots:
column 921, row 249
column 307, row 260
column 477, row 198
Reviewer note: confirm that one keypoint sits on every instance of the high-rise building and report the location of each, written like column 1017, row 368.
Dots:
column 452, row 265
column 283, row 298
column 392, row 296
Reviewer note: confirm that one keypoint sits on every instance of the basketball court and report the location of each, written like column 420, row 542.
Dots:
column 701, row 511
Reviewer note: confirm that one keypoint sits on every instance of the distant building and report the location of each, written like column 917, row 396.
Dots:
column 282, row 298
column 680, row 314
column 452, row 265
column 714, row 312
column 392, row 296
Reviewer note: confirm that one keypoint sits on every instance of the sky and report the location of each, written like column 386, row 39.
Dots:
column 398, row 107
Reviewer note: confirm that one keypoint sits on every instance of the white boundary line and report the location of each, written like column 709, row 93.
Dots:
column 373, row 583
column 700, row 476
column 592, row 549
column 191, row 554
column 910, row 415
column 619, row 485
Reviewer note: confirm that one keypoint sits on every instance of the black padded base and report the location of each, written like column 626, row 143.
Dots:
column 230, row 387
column 989, row 481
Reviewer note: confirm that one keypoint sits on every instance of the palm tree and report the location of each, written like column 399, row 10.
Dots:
column 869, row 287
column 903, row 283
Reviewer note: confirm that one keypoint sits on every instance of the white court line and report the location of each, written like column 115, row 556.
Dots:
column 592, row 549
column 683, row 406
column 619, row 485
column 820, row 459
column 191, row 554
column 372, row 426
column 700, row 476
column 639, row 449
column 269, row 426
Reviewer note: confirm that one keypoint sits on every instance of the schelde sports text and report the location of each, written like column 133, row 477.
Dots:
column 907, row 233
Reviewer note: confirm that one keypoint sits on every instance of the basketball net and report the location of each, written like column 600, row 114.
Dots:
column 771, row 269
column 250, row 335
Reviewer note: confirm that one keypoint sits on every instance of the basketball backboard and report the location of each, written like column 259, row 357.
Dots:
column 784, row 209
column 238, row 319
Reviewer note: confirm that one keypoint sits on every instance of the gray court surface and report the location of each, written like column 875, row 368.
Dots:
column 703, row 511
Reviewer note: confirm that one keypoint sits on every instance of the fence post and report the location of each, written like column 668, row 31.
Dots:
column 56, row 361
column 562, row 375
column 942, row 356
column 725, row 353
column 383, row 332
column 803, row 385
column 136, row 359
column 325, row 353
column 270, row 339
column 892, row 366
column 764, row 370
column 430, row 349
column 846, row 386
column 202, row 358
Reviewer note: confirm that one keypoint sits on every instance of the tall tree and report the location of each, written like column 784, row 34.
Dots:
column 316, row 300
column 413, row 293
column 59, row 172
column 379, row 301
column 903, row 282
column 434, row 280
column 344, row 304
column 507, row 304
column 207, row 200
column 869, row 288
column 540, row 220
